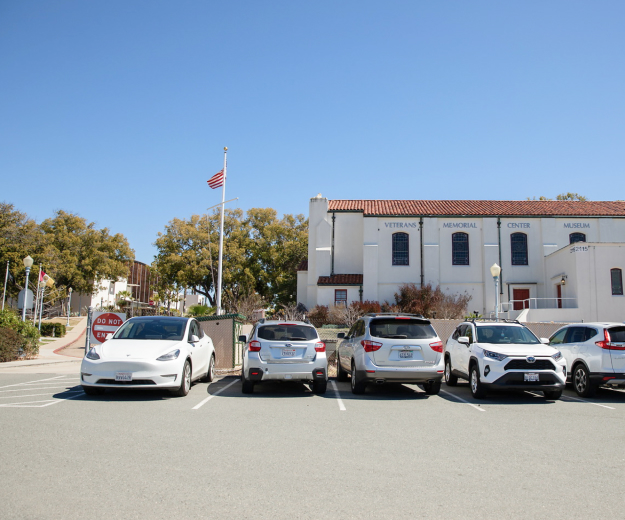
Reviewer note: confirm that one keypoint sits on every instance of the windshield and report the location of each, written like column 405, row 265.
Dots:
column 505, row 334
column 400, row 328
column 152, row 328
column 287, row 333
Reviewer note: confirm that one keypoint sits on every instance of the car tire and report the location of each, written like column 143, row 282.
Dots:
column 581, row 381
column 552, row 395
column 341, row 375
column 210, row 373
column 92, row 390
column 358, row 386
column 185, row 381
column 319, row 387
column 450, row 379
column 247, row 387
column 432, row 387
column 477, row 388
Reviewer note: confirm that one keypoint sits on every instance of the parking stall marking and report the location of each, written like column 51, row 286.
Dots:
column 338, row 396
column 588, row 402
column 52, row 387
column 199, row 405
column 464, row 401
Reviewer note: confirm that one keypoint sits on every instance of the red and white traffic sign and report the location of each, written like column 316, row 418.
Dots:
column 105, row 323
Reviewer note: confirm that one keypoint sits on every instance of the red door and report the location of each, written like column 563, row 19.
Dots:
column 521, row 299
column 559, row 291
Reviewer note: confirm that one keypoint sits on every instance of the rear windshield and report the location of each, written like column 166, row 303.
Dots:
column 617, row 334
column 401, row 329
column 287, row 333
column 504, row 334
column 152, row 328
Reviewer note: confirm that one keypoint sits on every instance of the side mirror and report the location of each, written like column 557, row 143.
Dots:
column 194, row 339
column 340, row 335
column 544, row 341
column 464, row 340
column 109, row 336
column 243, row 338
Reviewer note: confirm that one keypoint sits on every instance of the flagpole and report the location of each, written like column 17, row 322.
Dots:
column 6, row 280
column 37, row 298
column 221, row 235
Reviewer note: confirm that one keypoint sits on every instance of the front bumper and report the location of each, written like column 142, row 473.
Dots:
column 300, row 371
column 515, row 381
column 145, row 374
column 409, row 375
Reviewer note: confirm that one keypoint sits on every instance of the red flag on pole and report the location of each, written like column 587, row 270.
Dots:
column 217, row 180
column 41, row 276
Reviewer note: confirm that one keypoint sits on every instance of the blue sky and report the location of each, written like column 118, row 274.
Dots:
column 119, row 110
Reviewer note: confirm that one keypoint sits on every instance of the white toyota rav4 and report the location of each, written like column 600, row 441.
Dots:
column 503, row 354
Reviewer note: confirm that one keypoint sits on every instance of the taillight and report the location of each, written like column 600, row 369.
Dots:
column 370, row 346
column 254, row 346
column 320, row 347
column 605, row 344
column 437, row 346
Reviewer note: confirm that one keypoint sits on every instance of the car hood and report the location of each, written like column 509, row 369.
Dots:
column 510, row 349
column 136, row 348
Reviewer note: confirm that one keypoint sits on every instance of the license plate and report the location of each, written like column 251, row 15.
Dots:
column 123, row 376
column 407, row 354
column 288, row 353
column 530, row 377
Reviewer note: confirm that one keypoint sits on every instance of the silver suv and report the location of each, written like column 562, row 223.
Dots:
column 391, row 348
column 285, row 351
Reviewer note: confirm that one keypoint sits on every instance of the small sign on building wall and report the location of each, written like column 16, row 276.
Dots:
column 105, row 323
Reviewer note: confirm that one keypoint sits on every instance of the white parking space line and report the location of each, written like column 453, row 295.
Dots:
column 338, row 396
column 57, row 401
column 588, row 402
column 199, row 405
column 49, row 402
column 37, row 381
column 30, row 388
column 464, row 401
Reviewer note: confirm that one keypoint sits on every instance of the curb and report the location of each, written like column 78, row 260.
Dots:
column 58, row 350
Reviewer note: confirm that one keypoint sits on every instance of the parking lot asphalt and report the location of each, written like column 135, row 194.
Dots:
column 283, row 452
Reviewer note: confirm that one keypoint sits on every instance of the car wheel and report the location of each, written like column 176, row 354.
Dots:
column 432, row 387
column 358, row 386
column 553, row 395
column 247, row 387
column 477, row 388
column 92, row 390
column 581, row 381
column 210, row 373
column 341, row 375
column 450, row 379
column 185, row 381
column 319, row 387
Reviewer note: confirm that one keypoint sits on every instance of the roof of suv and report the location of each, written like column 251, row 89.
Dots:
column 482, row 322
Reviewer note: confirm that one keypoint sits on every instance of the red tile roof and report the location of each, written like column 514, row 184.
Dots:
column 495, row 208
column 303, row 265
column 340, row 279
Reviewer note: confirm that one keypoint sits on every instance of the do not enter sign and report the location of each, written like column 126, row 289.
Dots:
column 105, row 323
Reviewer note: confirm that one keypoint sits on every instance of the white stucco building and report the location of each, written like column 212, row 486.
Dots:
column 562, row 260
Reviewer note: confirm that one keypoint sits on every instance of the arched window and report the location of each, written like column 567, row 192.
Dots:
column 460, row 249
column 616, row 276
column 577, row 237
column 518, row 248
column 400, row 249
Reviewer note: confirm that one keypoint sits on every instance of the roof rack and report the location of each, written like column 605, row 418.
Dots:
column 373, row 314
column 495, row 320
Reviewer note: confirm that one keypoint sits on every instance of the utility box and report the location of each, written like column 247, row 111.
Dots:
column 225, row 330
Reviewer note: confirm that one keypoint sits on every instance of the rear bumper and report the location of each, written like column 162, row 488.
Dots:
column 410, row 375
column 607, row 378
column 258, row 370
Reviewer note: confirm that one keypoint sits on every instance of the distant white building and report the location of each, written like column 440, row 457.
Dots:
column 560, row 260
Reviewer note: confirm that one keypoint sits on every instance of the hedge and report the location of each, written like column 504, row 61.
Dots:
column 56, row 330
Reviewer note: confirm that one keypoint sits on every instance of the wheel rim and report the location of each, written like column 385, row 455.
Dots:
column 212, row 369
column 447, row 371
column 474, row 381
column 580, row 380
column 187, row 377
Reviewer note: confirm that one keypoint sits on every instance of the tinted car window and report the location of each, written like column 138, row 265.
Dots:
column 617, row 334
column 576, row 335
column 287, row 333
column 152, row 328
column 558, row 337
column 401, row 329
column 590, row 333
column 456, row 333
column 504, row 334
column 468, row 332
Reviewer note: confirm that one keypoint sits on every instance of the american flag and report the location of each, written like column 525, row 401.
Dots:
column 217, row 180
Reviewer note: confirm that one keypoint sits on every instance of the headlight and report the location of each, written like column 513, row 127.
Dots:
column 92, row 354
column 494, row 355
column 168, row 357
column 557, row 356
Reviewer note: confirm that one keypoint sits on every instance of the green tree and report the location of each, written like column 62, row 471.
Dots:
column 563, row 196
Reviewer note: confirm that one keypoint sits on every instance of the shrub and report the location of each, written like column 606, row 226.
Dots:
column 57, row 330
column 319, row 315
column 28, row 332
column 431, row 302
column 200, row 310
column 10, row 344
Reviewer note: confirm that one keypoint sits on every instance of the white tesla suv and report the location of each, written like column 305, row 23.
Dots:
column 503, row 354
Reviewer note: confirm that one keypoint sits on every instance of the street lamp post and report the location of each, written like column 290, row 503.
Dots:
column 69, row 304
column 495, row 270
column 28, row 263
